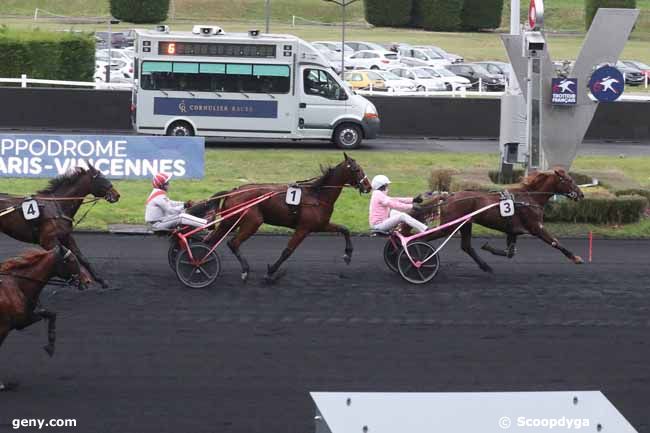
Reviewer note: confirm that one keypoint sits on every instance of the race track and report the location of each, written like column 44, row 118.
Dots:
column 153, row 356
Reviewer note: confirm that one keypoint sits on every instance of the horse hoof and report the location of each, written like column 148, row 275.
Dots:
column 347, row 259
column 487, row 269
column 244, row 276
column 486, row 246
column 578, row 260
column 4, row 387
column 49, row 349
column 272, row 278
column 103, row 283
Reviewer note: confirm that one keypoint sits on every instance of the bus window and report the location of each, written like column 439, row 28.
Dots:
column 320, row 83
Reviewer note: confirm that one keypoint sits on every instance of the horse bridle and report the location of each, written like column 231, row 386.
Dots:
column 356, row 171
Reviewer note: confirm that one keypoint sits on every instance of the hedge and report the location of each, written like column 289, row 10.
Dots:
column 481, row 14
column 388, row 13
column 597, row 210
column 591, row 7
column 437, row 15
column 140, row 11
column 47, row 55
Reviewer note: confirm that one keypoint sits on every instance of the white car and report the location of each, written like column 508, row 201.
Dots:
column 359, row 45
column 119, row 69
column 452, row 81
column 421, row 57
column 424, row 81
column 367, row 59
column 395, row 83
column 334, row 46
column 332, row 57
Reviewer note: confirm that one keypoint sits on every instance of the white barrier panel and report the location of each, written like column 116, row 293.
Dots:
column 497, row 412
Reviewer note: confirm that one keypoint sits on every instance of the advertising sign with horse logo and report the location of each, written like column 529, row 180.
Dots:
column 564, row 91
column 607, row 84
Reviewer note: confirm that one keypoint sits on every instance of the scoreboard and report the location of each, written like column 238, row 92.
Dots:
column 210, row 49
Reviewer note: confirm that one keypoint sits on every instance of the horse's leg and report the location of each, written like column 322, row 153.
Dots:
column 466, row 245
column 249, row 226
column 71, row 244
column 51, row 330
column 539, row 231
column 298, row 236
column 336, row 228
column 510, row 250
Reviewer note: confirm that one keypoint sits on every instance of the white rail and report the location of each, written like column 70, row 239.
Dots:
column 24, row 82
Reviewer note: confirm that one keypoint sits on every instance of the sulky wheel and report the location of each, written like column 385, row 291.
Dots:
column 172, row 252
column 201, row 272
column 422, row 253
column 391, row 253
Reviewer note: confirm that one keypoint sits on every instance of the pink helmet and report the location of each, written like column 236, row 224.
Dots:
column 161, row 179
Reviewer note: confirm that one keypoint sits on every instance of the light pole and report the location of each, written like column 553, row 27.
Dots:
column 111, row 21
column 343, row 4
column 267, row 13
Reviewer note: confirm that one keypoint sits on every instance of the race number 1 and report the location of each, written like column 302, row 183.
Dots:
column 293, row 196
column 30, row 210
column 507, row 208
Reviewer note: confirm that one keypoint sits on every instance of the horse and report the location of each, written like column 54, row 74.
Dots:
column 21, row 281
column 58, row 204
column 312, row 214
column 529, row 201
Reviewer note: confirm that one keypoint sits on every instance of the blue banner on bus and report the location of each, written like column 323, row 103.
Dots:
column 215, row 107
column 117, row 156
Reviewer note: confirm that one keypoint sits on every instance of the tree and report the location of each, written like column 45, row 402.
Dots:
column 388, row 13
column 592, row 6
column 140, row 11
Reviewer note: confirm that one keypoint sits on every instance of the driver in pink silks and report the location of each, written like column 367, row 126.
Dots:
column 385, row 212
column 165, row 214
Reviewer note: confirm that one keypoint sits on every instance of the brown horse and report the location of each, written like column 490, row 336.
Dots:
column 58, row 204
column 529, row 199
column 21, row 281
column 311, row 215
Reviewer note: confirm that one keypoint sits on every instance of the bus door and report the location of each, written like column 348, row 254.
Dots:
column 322, row 101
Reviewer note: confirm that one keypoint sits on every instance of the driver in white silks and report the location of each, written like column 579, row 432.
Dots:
column 165, row 214
column 386, row 212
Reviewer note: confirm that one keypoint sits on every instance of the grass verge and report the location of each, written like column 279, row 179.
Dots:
column 409, row 172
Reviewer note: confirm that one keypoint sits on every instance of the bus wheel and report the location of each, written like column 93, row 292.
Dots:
column 347, row 136
column 181, row 129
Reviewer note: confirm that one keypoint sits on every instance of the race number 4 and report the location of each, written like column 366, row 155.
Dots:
column 507, row 208
column 30, row 210
column 293, row 196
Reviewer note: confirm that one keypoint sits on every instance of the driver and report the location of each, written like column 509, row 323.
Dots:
column 164, row 214
column 386, row 213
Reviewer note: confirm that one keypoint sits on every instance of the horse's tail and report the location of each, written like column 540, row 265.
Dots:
column 209, row 206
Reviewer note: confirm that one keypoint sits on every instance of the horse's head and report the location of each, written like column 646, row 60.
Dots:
column 100, row 186
column 67, row 267
column 565, row 185
column 354, row 174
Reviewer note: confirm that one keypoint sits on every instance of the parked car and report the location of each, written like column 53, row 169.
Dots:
column 478, row 74
column 117, row 40
column 119, row 69
column 335, row 46
column 639, row 65
column 453, row 58
column 563, row 68
column 633, row 75
column 497, row 68
column 413, row 56
column 423, row 79
column 332, row 57
column 395, row 83
column 367, row 59
column 359, row 46
column 452, row 81
column 364, row 80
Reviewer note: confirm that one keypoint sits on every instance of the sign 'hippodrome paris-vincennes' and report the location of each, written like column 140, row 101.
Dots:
column 23, row 155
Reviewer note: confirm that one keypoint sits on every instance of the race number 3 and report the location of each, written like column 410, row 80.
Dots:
column 30, row 210
column 293, row 196
column 507, row 208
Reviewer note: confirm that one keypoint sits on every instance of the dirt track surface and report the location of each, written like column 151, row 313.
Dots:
column 153, row 356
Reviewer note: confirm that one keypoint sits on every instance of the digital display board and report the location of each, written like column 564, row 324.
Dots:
column 210, row 49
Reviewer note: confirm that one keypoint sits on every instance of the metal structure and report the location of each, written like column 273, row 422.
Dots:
column 497, row 412
column 552, row 133
column 343, row 4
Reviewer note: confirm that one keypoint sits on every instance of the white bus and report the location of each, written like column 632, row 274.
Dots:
column 251, row 85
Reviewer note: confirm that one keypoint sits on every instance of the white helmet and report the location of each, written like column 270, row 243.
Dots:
column 379, row 181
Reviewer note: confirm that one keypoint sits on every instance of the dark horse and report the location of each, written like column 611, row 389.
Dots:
column 21, row 282
column 529, row 199
column 58, row 204
column 311, row 215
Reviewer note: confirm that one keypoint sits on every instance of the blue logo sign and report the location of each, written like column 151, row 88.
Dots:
column 215, row 107
column 607, row 84
column 118, row 157
column 564, row 91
